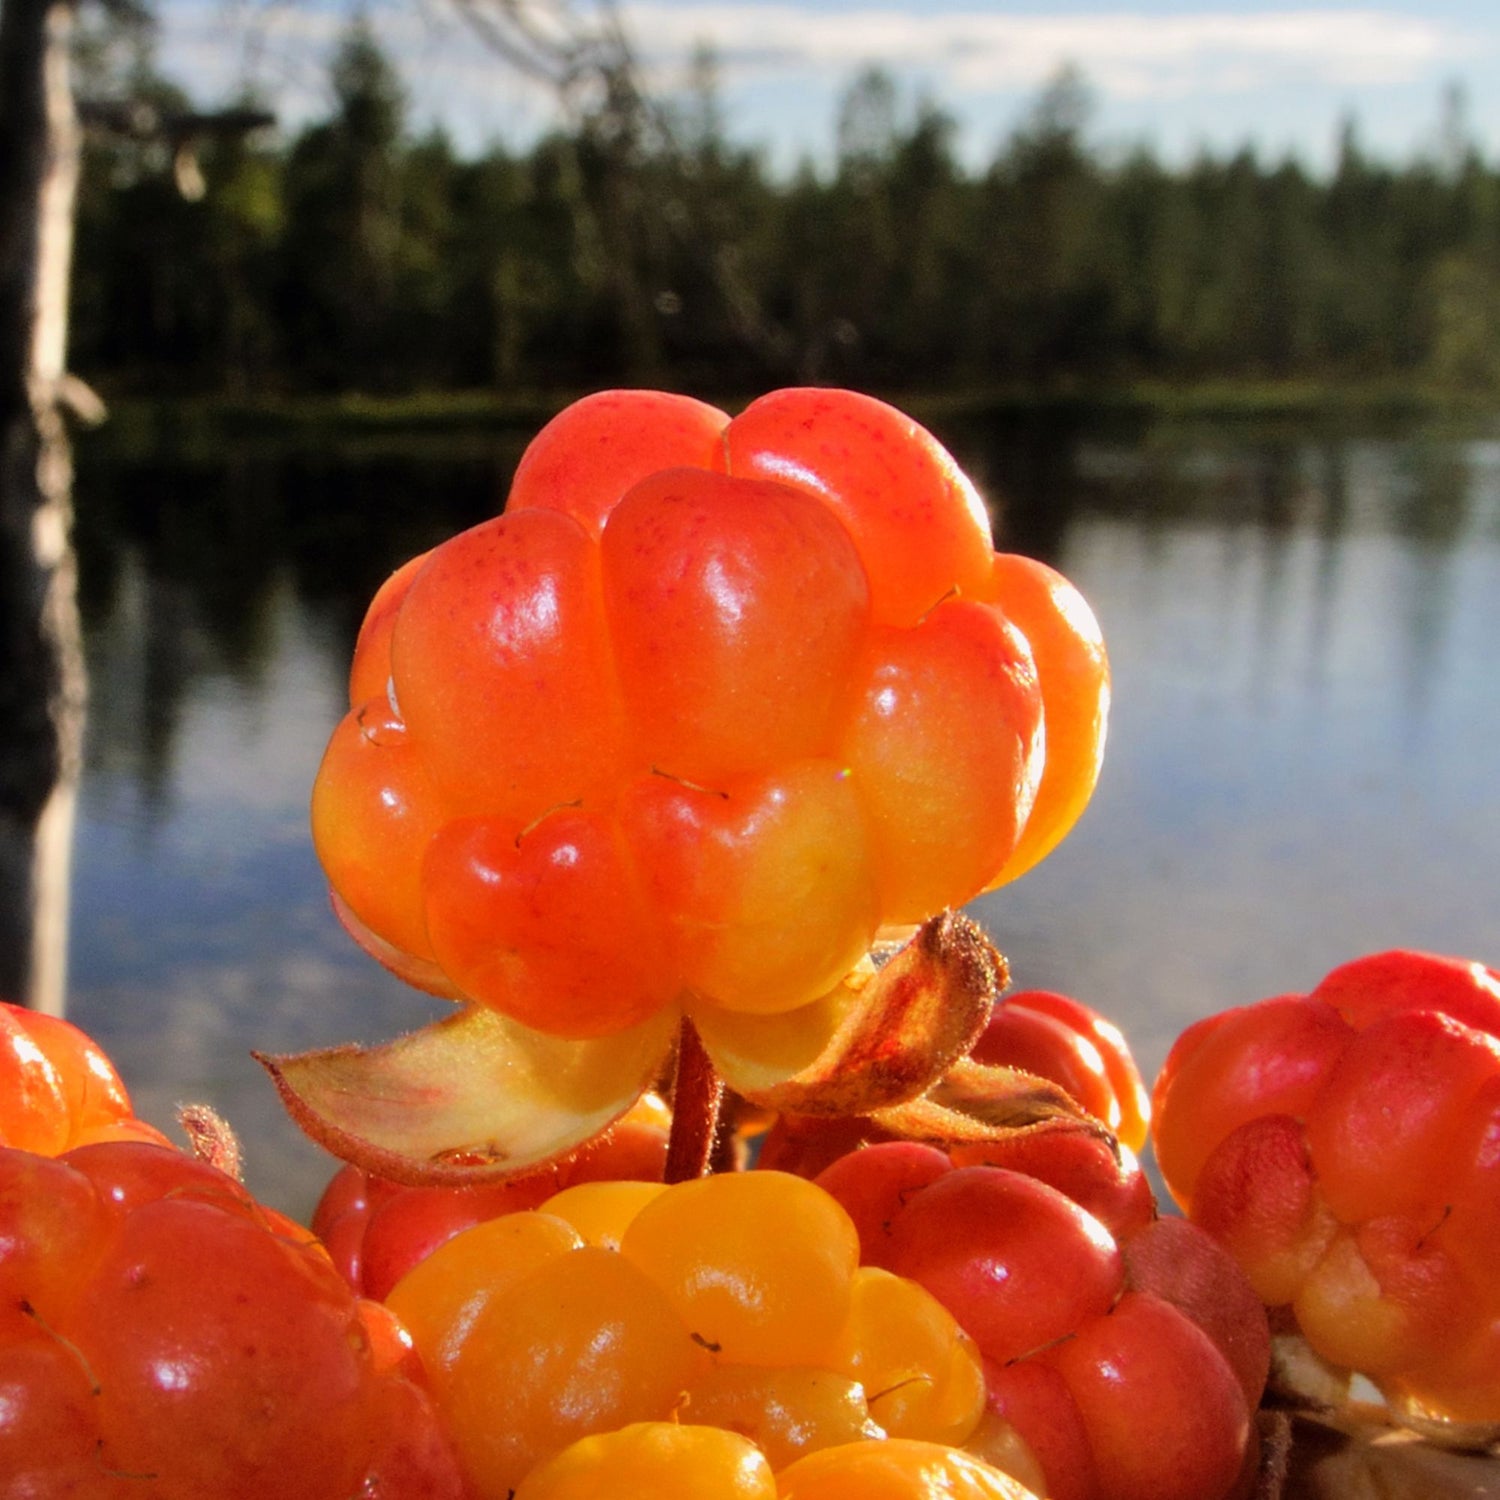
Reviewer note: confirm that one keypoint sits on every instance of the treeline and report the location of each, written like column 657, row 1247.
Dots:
column 638, row 245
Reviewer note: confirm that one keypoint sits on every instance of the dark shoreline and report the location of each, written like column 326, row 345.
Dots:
column 137, row 425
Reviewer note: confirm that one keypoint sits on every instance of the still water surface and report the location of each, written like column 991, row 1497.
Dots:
column 1305, row 635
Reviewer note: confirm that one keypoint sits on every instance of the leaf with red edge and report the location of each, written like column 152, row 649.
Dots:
column 883, row 1037
column 471, row 1098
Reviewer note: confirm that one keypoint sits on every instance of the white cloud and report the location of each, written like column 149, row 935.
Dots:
column 1281, row 78
column 1134, row 53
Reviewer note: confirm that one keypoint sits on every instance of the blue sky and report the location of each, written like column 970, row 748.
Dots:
column 1177, row 75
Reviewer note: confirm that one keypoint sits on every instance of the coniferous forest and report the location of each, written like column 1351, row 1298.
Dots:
column 648, row 247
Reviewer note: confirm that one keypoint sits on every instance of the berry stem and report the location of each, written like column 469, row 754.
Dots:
column 696, row 1098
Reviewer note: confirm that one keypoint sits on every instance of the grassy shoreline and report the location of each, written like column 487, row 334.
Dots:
column 176, row 424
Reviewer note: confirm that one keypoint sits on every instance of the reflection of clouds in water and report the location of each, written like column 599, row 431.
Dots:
column 1300, row 769
column 1351, row 559
column 188, row 1039
column 201, row 922
column 1296, row 773
column 238, row 744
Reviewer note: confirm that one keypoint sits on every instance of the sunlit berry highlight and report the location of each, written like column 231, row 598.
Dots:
column 709, row 704
column 1344, row 1145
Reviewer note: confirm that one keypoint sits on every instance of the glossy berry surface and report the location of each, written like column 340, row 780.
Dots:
column 682, row 1462
column 666, row 1460
column 1344, row 1144
column 1115, row 1367
column 375, row 1231
column 162, row 1333
column 734, row 1303
column 901, row 1469
column 711, row 702
column 58, row 1089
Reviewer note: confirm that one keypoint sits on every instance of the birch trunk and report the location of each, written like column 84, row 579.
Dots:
column 42, row 685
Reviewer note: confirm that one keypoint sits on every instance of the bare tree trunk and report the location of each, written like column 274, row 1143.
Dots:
column 42, row 683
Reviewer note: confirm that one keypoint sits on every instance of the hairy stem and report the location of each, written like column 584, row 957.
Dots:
column 696, row 1101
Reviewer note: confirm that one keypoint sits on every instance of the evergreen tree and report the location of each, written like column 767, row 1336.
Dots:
column 340, row 253
column 637, row 242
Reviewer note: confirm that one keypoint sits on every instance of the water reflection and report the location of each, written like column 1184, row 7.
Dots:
column 1301, row 762
column 1302, row 628
column 187, row 567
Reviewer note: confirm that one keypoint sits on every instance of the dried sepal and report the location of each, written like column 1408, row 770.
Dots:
column 974, row 1102
column 471, row 1098
column 883, row 1037
column 211, row 1138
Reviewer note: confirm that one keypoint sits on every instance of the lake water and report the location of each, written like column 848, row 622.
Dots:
column 1305, row 636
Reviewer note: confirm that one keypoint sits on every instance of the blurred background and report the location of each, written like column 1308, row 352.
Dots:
column 1208, row 306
